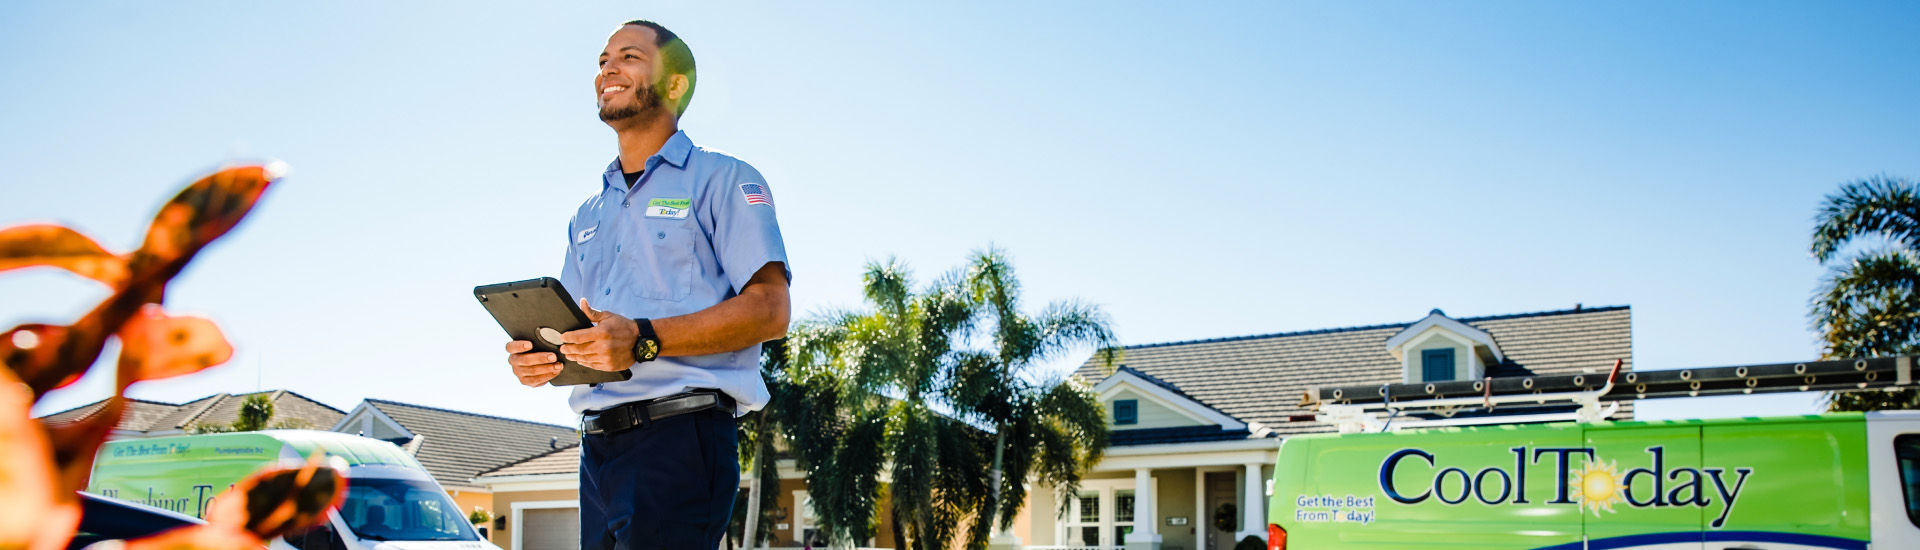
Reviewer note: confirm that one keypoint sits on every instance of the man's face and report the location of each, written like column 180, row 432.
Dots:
column 629, row 83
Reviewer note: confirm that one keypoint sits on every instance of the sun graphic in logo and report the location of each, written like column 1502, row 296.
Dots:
column 1598, row 485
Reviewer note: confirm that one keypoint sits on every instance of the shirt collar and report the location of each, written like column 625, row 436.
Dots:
column 675, row 152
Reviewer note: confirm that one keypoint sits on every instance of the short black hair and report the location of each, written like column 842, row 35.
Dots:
column 675, row 56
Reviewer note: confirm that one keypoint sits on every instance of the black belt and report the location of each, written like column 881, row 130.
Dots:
column 640, row 413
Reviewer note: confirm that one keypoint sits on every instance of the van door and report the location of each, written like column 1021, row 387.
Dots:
column 1641, row 482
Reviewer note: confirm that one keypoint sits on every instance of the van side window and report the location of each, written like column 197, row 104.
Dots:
column 1906, row 453
column 320, row 537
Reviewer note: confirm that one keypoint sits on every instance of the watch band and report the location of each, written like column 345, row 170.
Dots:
column 646, row 346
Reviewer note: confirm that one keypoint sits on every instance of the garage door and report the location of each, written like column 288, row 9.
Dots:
column 550, row 529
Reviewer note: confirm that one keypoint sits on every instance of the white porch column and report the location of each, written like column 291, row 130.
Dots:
column 1144, row 536
column 1254, row 523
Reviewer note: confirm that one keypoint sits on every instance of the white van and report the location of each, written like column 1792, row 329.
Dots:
column 391, row 504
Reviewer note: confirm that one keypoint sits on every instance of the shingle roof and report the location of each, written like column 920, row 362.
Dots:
column 560, row 461
column 220, row 408
column 1260, row 378
column 460, row 445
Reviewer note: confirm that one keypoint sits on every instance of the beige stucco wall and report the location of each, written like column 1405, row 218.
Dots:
column 465, row 501
column 503, row 503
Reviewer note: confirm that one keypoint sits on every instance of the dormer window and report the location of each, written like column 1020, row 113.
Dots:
column 1126, row 411
column 1436, row 365
column 1441, row 349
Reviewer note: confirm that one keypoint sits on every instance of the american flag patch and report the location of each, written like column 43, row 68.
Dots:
column 756, row 194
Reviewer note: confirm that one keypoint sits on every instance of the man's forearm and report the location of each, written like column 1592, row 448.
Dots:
column 758, row 314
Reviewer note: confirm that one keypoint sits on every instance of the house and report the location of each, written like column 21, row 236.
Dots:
column 456, row 446
column 1196, row 426
column 144, row 419
column 453, row 446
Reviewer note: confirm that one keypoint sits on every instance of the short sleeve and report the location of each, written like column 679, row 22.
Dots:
column 570, row 268
column 746, row 235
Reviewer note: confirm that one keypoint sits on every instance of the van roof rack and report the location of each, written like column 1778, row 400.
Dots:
column 1356, row 408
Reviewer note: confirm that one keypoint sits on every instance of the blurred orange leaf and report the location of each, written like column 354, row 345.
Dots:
column 36, row 513
column 62, row 247
column 154, row 345
column 277, row 501
column 74, row 443
column 33, row 351
column 199, row 537
column 202, row 212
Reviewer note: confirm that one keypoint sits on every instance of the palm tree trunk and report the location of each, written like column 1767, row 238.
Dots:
column 999, row 451
column 753, row 503
column 899, row 531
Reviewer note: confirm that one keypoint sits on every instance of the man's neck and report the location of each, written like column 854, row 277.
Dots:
column 642, row 140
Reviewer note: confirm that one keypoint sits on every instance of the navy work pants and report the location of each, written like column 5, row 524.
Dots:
column 668, row 484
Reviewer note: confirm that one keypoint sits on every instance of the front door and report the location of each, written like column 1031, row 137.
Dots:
column 1220, row 498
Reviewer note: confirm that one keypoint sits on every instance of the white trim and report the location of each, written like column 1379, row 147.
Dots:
column 1194, row 448
column 1188, row 407
column 519, row 527
column 375, row 412
column 1109, row 507
column 1436, row 319
column 539, row 482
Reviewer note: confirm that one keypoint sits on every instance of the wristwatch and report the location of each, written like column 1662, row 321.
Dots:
column 646, row 347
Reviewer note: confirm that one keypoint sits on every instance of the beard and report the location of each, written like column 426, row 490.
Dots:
column 645, row 103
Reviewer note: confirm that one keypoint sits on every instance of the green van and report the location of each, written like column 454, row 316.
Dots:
column 391, row 504
column 1849, row 481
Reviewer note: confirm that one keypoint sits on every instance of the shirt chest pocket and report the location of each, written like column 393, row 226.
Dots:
column 661, row 253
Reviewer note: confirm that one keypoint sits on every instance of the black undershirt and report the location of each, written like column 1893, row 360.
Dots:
column 632, row 177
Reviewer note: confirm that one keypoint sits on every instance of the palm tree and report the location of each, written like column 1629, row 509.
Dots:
column 1050, row 429
column 898, row 389
column 1869, row 303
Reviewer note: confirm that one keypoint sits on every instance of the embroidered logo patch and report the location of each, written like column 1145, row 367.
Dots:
column 585, row 235
column 756, row 194
column 675, row 209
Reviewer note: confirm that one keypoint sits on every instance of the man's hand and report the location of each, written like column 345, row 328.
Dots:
column 532, row 367
column 607, row 345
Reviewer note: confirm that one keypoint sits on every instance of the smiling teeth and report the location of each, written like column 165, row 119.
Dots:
column 613, row 89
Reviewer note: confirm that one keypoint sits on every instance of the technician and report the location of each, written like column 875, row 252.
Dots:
column 679, row 263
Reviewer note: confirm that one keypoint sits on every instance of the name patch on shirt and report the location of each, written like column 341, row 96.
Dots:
column 675, row 209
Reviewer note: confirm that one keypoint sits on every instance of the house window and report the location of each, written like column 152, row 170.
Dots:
column 1083, row 525
column 1436, row 365
column 1099, row 517
column 1126, row 411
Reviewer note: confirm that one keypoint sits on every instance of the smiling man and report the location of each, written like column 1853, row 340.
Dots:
column 679, row 263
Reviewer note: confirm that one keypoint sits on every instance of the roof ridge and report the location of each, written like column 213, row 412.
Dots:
column 211, row 400
column 310, row 400
column 102, row 401
column 1574, row 310
column 543, row 424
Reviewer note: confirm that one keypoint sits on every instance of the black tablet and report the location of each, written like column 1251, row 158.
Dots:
column 538, row 311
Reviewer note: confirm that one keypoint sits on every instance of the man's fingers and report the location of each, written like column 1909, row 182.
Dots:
column 535, row 375
column 519, row 346
column 531, row 359
column 592, row 314
column 584, row 335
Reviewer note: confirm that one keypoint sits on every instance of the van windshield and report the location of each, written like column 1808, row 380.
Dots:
column 402, row 509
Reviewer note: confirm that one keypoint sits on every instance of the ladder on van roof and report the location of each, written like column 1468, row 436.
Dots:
column 1358, row 408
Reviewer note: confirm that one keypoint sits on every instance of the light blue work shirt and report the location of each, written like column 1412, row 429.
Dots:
column 696, row 226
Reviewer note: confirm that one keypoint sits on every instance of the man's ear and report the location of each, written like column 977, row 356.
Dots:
column 676, row 87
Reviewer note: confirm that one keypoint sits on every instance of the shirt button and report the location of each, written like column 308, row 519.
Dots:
column 616, row 248
column 583, row 257
column 623, row 204
column 660, row 235
column 606, row 292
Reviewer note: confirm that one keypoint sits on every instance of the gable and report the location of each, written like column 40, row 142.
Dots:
column 1149, row 412
column 367, row 420
column 1157, row 404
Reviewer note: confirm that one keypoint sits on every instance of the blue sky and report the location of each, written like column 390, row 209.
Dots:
column 1200, row 171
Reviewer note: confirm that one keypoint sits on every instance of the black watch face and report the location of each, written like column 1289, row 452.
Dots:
column 647, row 348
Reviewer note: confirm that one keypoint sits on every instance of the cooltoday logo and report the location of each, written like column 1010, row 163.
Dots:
column 1595, row 486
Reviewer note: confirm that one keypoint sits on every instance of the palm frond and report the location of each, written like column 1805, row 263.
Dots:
column 1879, row 205
column 1871, row 306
